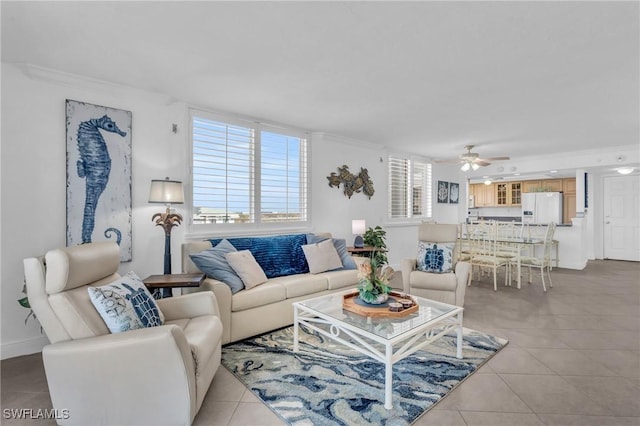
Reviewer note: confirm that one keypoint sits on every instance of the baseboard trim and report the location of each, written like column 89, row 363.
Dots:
column 23, row 347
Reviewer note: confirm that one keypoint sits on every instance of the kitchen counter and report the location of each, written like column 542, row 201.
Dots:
column 517, row 219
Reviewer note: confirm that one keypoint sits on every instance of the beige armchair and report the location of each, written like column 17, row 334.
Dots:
column 443, row 287
column 149, row 376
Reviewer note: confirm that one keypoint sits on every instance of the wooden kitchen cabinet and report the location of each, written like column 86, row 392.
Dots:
column 484, row 195
column 531, row 186
column 568, row 199
column 569, row 185
column 552, row 185
column 544, row 185
column 508, row 193
column 568, row 207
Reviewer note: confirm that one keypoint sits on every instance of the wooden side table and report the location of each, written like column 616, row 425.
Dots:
column 362, row 251
column 173, row 280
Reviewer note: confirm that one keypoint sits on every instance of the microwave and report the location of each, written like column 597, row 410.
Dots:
column 471, row 202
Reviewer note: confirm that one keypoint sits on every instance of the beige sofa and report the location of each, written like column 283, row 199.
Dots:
column 268, row 306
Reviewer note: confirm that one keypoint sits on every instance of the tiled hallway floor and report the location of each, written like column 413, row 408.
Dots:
column 573, row 359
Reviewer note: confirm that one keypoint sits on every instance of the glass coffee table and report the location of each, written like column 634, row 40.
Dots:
column 385, row 339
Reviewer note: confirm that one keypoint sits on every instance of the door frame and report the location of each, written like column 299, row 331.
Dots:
column 600, row 221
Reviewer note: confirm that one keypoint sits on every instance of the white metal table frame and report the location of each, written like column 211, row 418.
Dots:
column 361, row 340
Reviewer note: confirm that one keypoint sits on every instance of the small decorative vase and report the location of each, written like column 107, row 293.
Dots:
column 374, row 299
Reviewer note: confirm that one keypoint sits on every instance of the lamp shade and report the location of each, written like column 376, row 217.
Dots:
column 358, row 226
column 166, row 192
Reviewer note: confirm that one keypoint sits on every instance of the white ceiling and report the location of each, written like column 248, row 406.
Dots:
column 513, row 78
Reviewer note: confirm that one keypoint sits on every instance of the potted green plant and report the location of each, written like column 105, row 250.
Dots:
column 373, row 276
column 377, row 237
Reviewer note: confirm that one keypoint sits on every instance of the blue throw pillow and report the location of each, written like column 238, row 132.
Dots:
column 277, row 255
column 341, row 248
column 435, row 257
column 213, row 263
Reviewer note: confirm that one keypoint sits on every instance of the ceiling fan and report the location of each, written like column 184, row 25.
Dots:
column 471, row 160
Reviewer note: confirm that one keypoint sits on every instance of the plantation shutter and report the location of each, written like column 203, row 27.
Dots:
column 283, row 178
column 398, row 187
column 409, row 188
column 417, row 189
column 223, row 172
column 427, row 192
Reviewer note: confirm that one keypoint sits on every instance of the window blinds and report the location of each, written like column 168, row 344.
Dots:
column 223, row 172
column 409, row 188
column 239, row 171
column 283, row 177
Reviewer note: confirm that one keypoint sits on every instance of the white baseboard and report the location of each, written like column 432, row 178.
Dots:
column 23, row 347
column 578, row 265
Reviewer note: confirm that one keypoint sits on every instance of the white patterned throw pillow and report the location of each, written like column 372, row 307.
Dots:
column 435, row 257
column 126, row 304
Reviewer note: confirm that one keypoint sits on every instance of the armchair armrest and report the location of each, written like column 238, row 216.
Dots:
column 462, row 271
column 189, row 306
column 223, row 296
column 153, row 366
column 406, row 267
column 463, row 275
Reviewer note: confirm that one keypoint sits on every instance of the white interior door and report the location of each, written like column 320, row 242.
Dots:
column 622, row 217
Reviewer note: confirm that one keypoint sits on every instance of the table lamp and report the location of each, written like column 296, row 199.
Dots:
column 358, row 227
column 167, row 192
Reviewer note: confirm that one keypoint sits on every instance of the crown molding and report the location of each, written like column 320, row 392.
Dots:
column 62, row 78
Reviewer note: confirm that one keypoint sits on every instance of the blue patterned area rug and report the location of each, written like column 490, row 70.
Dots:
column 326, row 383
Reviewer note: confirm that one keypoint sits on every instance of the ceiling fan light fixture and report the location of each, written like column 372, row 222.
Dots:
column 474, row 166
column 465, row 167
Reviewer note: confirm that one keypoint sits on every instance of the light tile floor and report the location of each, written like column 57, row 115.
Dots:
column 573, row 359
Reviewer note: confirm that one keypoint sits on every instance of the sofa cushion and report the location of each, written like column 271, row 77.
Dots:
column 435, row 257
column 301, row 284
column 213, row 263
column 126, row 304
column 430, row 281
column 321, row 256
column 277, row 255
column 264, row 294
column 341, row 247
column 245, row 265
column 341, row 278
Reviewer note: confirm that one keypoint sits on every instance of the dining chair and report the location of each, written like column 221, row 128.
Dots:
column 540, row 256
column 509, row 246
column 485, row 252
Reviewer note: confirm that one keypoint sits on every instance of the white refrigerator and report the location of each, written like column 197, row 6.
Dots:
column 542, row 207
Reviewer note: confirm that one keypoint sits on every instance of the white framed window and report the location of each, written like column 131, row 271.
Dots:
column 245, row 172
column 410, row 186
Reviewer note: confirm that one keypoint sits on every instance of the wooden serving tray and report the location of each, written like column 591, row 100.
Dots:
column 349, row 304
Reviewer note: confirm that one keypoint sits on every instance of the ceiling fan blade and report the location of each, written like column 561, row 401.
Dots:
column 448, row 161
column 482, row 163
column 496, row 158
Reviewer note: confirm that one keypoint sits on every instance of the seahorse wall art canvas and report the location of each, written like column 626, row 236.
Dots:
column 98, row 175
